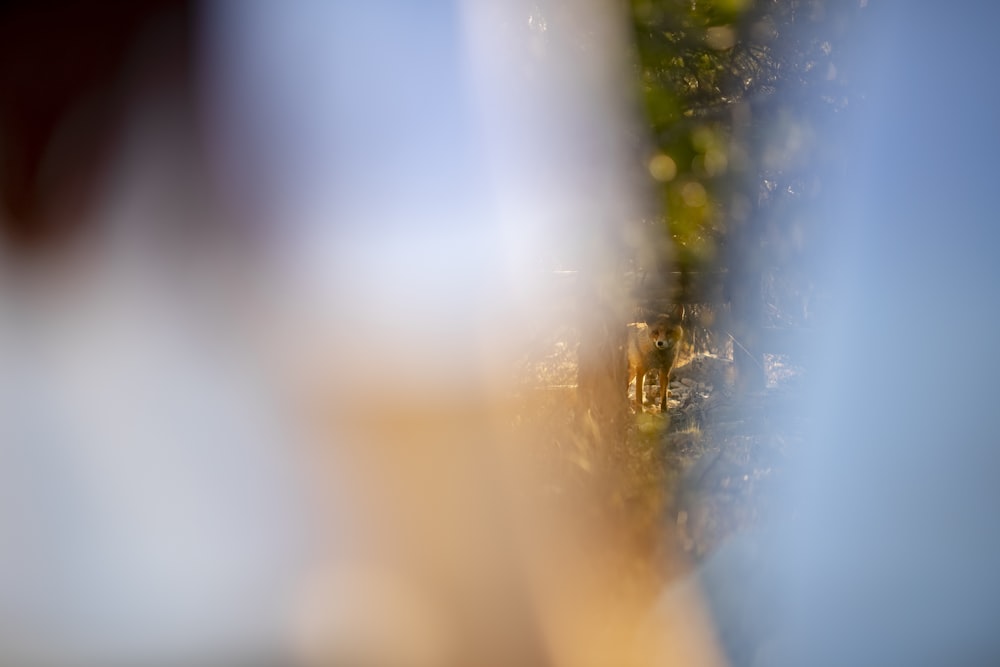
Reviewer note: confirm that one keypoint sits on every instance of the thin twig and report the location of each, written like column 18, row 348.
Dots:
column 749, row 354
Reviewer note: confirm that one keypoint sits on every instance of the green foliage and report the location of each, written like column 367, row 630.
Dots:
column 733, row 91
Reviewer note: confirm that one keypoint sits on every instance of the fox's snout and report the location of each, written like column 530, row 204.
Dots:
column 661, row 343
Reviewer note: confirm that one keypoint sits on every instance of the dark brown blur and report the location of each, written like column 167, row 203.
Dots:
column 67, row 70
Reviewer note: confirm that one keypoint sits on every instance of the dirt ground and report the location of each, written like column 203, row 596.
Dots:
column 726, row 454
column 711, row 467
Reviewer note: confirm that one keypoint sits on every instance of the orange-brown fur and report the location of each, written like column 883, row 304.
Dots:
column 650, row 346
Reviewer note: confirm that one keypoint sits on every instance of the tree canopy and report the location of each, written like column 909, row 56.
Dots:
column 736, row 94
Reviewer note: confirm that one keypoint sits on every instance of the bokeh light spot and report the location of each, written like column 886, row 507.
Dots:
column 662, row 168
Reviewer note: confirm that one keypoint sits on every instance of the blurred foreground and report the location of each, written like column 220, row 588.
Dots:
column 268, row 277
column 267, row 271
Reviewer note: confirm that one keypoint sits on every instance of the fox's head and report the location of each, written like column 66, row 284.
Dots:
column 664, row 334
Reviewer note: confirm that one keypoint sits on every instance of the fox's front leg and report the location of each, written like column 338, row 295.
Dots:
column 640, row 376
column 664, row 380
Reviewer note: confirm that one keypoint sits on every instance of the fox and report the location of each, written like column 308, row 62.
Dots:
column 655, row 345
